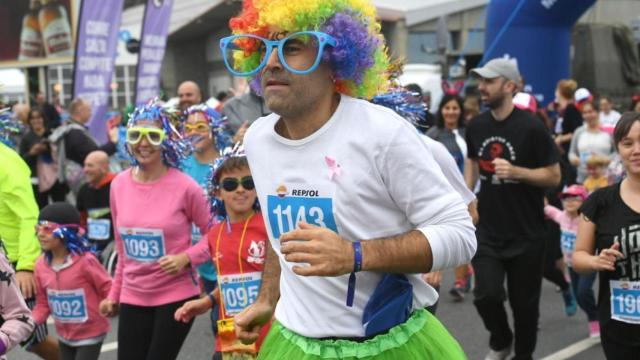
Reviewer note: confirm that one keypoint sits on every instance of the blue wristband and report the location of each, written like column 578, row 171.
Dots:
column 357, row 258
column 357, row 266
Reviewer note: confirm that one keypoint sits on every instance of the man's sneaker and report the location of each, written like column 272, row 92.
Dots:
column 594, row 329
column 570, row 306
column 498, row 354
column 457, row 291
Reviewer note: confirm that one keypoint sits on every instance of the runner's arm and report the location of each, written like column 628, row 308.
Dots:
column 471, row 172
column 546, row 176
column 270, row 288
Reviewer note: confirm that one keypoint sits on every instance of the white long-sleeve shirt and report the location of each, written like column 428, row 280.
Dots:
column 388, row 183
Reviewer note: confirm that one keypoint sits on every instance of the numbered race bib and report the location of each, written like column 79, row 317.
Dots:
column 195, row 234
column 68, row 306
column 99, row 229
column 239, row 291
column 567, row 244
column 289, row 207
column 625, row 301
column 144, row 245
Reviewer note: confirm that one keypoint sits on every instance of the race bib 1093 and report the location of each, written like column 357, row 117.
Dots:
column 143, row 245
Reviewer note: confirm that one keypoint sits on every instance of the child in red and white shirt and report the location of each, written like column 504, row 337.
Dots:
column 238, row 246
column 70, row 282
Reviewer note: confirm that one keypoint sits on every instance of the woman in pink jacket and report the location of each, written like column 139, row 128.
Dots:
column 153, row 206
column 70, row 282
column 16, row 323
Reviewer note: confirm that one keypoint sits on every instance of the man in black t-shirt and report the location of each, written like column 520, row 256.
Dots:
column 515, row 158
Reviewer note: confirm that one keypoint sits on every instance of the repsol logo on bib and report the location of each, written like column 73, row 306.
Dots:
column 305, row 193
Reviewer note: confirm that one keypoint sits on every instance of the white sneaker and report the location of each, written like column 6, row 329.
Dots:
column 498, row 354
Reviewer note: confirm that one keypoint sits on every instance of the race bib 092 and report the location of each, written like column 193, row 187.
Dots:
column 68, row 306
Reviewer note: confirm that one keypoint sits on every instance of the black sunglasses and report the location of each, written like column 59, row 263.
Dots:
column 231, row 184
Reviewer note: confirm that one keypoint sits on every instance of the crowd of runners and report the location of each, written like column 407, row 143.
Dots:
column 311, row 216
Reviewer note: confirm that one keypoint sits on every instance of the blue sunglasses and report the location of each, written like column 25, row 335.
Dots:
column 290, row 49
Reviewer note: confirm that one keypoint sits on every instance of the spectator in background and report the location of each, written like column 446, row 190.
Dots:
column 589, row 139
column 189, row 94
column 471, row 108
column 449, row 131
column 50, row 113
column 596, row 168
column 569, row 119
column 635, row 103
column 21, row 111
column 73, row 143
column 242, row 110
column 35, row 150
column 429, row 120
column 569, row 116
column 608, row 116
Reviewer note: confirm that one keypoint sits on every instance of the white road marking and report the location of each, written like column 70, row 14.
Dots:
column 109, row 347
column 573, row 349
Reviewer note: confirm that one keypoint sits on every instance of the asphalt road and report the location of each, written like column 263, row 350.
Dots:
column 559, row 337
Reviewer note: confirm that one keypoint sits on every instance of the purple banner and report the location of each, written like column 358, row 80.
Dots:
column 96, row 47
column 152, row 45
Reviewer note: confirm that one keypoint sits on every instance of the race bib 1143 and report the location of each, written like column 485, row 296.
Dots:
column 286, row 212
column 143, row 245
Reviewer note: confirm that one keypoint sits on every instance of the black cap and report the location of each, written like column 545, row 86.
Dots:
column 60, row 213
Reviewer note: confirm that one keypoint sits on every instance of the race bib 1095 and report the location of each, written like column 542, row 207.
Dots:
column 239, row 291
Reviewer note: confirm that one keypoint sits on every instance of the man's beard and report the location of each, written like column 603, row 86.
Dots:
column 494, row 102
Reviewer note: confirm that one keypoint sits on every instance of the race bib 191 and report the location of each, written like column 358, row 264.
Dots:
column 625, row 301
column 99, row 229
column 143, row 245
column 285, row 212
column 239, row 291
column 68, row 306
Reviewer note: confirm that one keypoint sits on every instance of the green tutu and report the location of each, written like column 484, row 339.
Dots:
column 422, row 336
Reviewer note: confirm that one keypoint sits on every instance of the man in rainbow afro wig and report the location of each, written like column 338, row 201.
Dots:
column 354, row 204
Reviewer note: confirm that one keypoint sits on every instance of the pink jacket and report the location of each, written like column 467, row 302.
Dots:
column 155, row 220
column 18, row 323
column 72, row 295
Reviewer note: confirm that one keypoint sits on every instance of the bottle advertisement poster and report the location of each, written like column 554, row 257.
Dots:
column 95, row 58
column 37, row 32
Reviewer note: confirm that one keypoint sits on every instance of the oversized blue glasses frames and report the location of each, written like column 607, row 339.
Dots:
column 228, row 45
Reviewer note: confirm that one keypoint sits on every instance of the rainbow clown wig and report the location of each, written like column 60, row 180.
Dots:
column 174, row 147
column 359, row 59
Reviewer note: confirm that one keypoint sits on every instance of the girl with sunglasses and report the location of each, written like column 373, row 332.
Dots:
column 70, row 282
column 153, row 205
column 238, row 245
